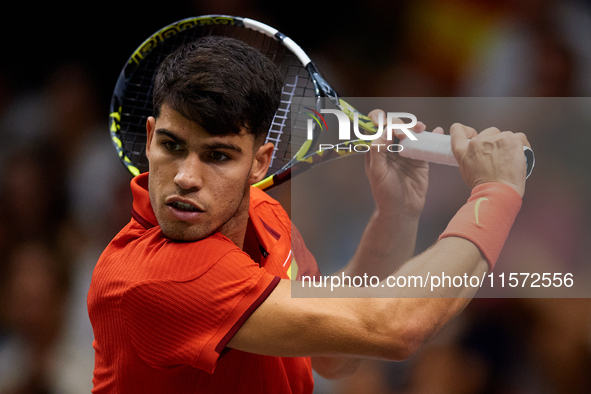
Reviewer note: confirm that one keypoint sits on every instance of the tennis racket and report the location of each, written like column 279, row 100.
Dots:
column 303, row 89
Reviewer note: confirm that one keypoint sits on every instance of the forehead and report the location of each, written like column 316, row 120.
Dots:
column 173, row 122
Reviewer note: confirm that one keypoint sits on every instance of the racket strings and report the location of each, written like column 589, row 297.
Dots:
column 287, row 131
column 280, row 119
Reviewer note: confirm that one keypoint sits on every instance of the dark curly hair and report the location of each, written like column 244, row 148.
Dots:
column 222, row 84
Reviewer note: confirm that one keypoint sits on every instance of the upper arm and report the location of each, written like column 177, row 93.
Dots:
column 292, row 327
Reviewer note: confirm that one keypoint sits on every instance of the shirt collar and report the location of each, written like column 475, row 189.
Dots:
column 143, row 213
column 266, row 235
column 141, row 210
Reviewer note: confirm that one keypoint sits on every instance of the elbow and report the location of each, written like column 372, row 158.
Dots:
column 405, row 327
column 403, row 349
column 335, row 367
column 405, row 339
column 411, row 344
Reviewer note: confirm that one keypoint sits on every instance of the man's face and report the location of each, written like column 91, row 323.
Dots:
column 199, row 182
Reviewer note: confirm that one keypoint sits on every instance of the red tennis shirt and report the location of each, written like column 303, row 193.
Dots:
column 163, row 311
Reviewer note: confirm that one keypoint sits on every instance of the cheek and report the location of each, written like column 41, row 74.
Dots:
column 229, row 186
column 160, row 167
column 226, row 189
column 156, row 160
column 159, row 181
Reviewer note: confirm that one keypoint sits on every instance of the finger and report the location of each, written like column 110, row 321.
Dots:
column 438, row 130
column 381, row 140
column 398, row 133
column 375, row 114
column 519, row 138
column 419, row 127
column 376, row 156
column 466, row 131
column 460, row 136
column 490, row 132
column 523, row 138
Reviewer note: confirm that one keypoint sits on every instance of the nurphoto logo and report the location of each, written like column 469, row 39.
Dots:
column 344, row 125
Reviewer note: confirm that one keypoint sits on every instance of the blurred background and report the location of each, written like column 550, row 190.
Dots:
column 64, row 194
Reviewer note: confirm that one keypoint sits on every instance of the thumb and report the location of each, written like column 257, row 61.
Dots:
column 460, row 136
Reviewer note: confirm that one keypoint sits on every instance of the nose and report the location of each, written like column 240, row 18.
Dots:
column 189, row 174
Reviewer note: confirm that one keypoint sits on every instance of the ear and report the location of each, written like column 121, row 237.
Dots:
column 261, row 162
column 150, row 127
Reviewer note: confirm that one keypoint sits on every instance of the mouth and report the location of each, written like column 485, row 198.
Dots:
column 184, row 210
column 183, row 206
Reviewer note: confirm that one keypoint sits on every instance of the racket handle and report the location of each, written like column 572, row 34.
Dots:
column 436, row 148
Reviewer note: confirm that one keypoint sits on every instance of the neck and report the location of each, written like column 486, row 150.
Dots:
column 235, row 228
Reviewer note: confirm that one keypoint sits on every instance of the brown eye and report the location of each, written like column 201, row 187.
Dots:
column 219, row 156
column 171, row 146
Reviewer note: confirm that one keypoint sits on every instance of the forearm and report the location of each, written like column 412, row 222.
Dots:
column 410, row 316
column 424, row 315
column 387, row 242
column 393, row 322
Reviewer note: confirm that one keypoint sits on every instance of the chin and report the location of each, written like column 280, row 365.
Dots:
column 184, row 234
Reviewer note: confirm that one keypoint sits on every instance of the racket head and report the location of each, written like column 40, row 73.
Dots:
column 131, row 103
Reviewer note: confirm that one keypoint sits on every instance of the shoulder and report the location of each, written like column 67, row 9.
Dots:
column 148, row 255
column 259, row 197
column 269, row 210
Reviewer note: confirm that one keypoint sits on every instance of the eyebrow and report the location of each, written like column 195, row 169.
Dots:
column 208, row 146
column 222, row 145
column 171, row 135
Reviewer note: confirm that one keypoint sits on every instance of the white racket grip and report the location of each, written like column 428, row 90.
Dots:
column 436, row 148
column 431, row 147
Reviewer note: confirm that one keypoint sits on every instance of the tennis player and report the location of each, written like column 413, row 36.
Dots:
column 193, row 295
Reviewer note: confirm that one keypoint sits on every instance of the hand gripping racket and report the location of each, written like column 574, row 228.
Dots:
column 131, row 103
